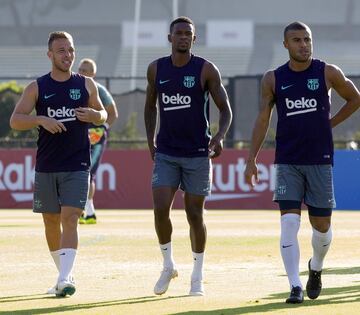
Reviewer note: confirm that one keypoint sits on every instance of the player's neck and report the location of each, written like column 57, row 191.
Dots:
column 299, row 66
column 180, row 59
column 60, row 76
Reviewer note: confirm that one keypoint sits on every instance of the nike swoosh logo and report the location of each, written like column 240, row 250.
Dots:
column 326, row 245
column 165, row 248
column 48, row 96
column 163, row 81
column 62, row 254
column 286, row 86
column 286, row 246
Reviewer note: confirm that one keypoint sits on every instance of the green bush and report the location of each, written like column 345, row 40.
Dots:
column 9, row 94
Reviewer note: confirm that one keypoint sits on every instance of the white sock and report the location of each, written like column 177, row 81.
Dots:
column 67, row 259
column 289, row 247
column 56, row 258
column 320, row 243
column 197, row 273
column 166, row 251
column 89, row 207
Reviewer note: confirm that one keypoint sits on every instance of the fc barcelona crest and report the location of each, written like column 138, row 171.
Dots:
column 313, row 84
column 189, row 81
column 75, row 94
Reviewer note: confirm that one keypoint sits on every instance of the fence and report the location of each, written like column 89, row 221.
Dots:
column 243, row 93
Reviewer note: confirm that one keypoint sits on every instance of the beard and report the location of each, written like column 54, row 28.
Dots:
column 301, row 58
column 61, row 67
column 182, row 50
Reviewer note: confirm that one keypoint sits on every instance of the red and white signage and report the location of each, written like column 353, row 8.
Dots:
column 123, row 181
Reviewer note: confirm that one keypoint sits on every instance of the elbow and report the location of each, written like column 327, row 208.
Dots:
column 13, row 124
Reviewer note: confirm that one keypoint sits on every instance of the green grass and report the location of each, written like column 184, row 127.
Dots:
column 119, row 261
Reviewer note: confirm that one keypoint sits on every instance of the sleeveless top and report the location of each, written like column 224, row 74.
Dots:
column 303, row 134
column 68, row 150
column 183, row 108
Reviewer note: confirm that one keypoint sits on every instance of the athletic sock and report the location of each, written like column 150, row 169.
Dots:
column 89, row 208
column 197, row 273
column 289, row 247
column 67, row 259
column 56, row 258
column 320, row 243
column 166, row 251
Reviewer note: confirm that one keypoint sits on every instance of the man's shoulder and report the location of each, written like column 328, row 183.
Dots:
column 100, row 86
column 43, row 78
column 269, row 76
column 281, row 68
column 104, row 94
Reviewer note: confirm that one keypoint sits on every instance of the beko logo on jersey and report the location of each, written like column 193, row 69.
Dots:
column 306, row 105
column 181, row 101
column 62, row 114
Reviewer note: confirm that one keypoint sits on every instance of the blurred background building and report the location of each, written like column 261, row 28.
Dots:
column 242, row 37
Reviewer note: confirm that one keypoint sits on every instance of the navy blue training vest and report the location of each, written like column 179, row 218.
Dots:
column 184, row 109
column 69, row 150
column 303, row 134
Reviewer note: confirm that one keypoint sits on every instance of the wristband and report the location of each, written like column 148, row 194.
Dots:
column 106, row 125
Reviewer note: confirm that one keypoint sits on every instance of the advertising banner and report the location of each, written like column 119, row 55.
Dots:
column 123, row 180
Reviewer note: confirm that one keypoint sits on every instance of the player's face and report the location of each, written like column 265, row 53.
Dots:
column 182, row 37
column 299, row 45
column 86, row 69
column 62, row 54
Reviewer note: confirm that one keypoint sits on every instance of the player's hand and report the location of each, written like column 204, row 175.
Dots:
column 215, row 146
column 251, row 173
column 86, row 114
column 52, row 125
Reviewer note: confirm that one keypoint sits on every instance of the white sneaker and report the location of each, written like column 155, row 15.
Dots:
column 162, row 284
column 197, row 288
column 65, row 287
column 52, row 290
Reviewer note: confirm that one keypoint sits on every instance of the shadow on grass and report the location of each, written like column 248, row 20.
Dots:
column 337, row 271
column 338, row 295
column 55, row 309
column 332, row 271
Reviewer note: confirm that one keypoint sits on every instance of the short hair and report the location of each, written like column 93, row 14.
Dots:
column 181, row 19
column 296, row 26
column 91, row 62
column 57, row 35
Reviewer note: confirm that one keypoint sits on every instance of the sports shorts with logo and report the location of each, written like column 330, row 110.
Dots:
column 190, row 174
column 54, row 190
column 311, row 184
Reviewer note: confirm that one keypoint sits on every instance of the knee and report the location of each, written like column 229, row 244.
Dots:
column 161, row 217
column 321, row 224
column 51, row 220
column 70, row 220
column 195, row 216
column 321, row 227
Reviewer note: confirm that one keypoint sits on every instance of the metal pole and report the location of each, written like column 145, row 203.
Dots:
column 135, row 44
column 175, row 9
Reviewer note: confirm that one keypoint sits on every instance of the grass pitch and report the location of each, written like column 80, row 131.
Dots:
column 119, row 262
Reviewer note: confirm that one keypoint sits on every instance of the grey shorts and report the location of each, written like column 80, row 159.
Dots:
column 193, row 174
column 311, row 184
column 54, row 190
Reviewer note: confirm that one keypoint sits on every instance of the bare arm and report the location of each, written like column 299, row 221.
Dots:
column 96, row 112
column 336, row 79
column 261, row 125
column 150, row 111
column 112, row 113
column 219, row 95
column 22, row 119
